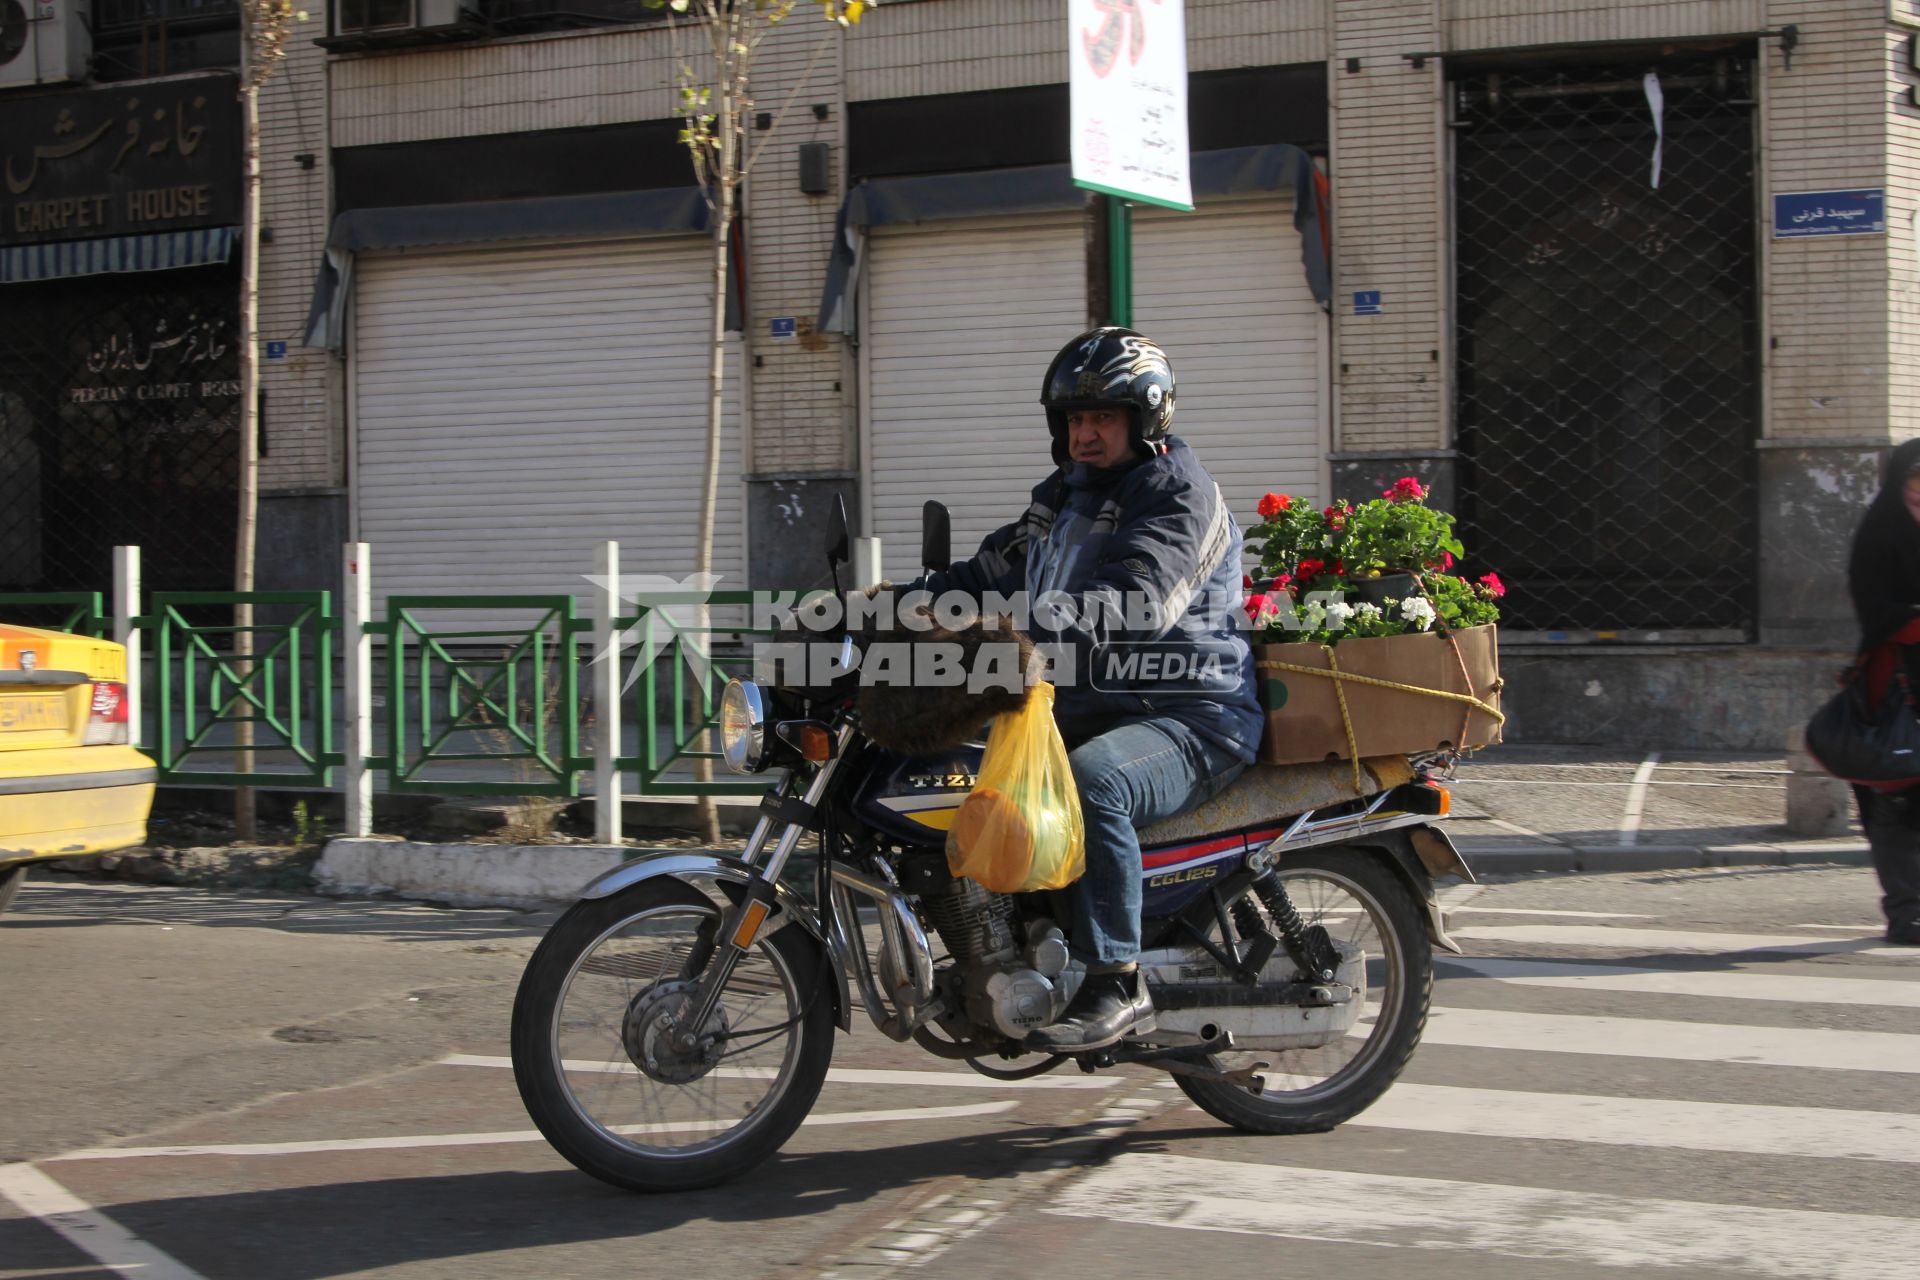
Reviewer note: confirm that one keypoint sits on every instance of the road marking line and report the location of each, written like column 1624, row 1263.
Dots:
column 1656, row 782
column 1818, row 1132
column 424, row 1140
column 1676, row 1041
column 1885, row 992
column 1529, row 911
column 1433, row 1213
column 86, row 1228
column 1637, row 799
column 1656, row 940
column 1869, row 930
column 838, row 1075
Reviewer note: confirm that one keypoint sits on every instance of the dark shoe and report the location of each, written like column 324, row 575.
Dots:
column 1904, row 935
column 1106, row 1009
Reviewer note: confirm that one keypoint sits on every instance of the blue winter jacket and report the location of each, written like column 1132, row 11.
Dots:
column 1142, row 567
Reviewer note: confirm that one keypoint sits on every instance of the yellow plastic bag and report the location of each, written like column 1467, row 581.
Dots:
column 1019, row 830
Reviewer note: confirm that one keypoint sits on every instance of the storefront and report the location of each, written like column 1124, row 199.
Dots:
column 119, row 301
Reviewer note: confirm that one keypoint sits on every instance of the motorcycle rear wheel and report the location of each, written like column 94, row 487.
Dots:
column 614, row 1097
column 1358, row 899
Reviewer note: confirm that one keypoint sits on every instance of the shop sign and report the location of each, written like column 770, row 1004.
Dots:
column 172, row 356
column 1127, row 81
column 124, row 160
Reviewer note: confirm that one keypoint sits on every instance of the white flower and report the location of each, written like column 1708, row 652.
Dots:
column 1339, row 614
column 1313, row 616
column 1418, row 611
column 1367, row 611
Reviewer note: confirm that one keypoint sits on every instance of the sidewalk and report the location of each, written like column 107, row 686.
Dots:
column 1516, row 810
column 1537, row 808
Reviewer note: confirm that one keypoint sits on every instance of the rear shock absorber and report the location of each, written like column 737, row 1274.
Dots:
column 1308, row 946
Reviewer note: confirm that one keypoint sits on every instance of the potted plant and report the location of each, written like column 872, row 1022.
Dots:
column 1365, row 595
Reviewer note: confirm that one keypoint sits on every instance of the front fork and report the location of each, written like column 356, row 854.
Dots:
column 743, row 924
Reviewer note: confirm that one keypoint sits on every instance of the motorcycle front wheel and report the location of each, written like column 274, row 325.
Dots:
column 1362, row 904
column 606, row 1082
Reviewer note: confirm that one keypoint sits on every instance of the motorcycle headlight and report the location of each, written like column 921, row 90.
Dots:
column 743, row 727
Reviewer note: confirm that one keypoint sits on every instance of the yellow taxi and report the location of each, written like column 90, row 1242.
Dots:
column 69, row 782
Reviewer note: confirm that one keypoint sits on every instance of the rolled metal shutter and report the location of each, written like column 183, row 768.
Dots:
column 1221, row 289
column 514, row 407
column 960, row 321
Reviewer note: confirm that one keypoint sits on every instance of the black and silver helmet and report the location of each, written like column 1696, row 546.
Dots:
column 1111, row 368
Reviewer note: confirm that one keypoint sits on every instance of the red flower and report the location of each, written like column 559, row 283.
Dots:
column 1491, row 581
column 1260, row 608
column 1283, row 582
column 1309, row 570
column 1340, row 567
column 1273, row 504
column 1405, row 489
column 1444, row 563
column 1246, row 582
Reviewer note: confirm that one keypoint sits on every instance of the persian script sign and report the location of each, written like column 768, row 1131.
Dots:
column 124, row 160
column 1128, row 77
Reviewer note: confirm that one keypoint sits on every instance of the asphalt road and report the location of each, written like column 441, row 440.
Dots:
column 1686, row 1073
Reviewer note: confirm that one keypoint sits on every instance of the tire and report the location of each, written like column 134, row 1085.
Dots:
column 1323, row 1094
column 596, row 981
column 10, row 881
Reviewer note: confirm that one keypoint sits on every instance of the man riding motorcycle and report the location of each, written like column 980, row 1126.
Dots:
column 1130, row 550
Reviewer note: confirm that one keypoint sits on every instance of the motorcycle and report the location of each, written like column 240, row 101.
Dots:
column 675, row 1026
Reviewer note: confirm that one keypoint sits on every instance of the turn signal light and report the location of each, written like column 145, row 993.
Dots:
column 1442, row 798
column 816, row 744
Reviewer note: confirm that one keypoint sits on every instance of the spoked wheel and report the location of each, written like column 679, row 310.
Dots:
column 601, row 1073
column 1362, row 905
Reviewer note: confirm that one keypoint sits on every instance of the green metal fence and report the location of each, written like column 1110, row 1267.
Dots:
column 283, row 690
column 504, row 695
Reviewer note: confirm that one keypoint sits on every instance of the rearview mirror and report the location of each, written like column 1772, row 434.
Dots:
column 936, row 538
column 839, row 547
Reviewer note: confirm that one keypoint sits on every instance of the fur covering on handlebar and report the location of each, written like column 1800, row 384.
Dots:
column 916, row 719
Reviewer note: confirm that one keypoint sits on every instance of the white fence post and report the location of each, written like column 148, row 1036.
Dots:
column 606, row 695
column 126, row 607
column 356, row 651
column 866, row 562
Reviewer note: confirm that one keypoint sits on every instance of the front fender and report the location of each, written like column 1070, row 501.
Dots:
column 722, row 870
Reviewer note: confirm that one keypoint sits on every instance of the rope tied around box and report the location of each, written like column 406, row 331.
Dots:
column 1333, row 672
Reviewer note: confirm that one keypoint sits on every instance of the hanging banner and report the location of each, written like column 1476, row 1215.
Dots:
column 1128, row 76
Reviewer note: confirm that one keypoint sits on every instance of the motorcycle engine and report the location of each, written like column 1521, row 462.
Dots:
column 1010, row 982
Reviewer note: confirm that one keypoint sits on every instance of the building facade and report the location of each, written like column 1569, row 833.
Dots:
column 1542, row 253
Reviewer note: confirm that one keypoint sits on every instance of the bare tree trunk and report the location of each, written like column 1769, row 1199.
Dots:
column 244, row 827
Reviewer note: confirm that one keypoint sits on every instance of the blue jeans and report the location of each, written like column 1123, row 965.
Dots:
column 1133, row 775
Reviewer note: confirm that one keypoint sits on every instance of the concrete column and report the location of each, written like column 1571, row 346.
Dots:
column 606, row 669
column 126, row 607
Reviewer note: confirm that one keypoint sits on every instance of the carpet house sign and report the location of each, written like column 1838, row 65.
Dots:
column 119, row 161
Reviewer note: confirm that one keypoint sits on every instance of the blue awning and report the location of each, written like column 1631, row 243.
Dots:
column 660, row 211
column 1041, row 188
column 160, row 251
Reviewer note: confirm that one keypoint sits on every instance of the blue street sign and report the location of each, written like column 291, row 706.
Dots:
column 276, row 351
column 1830, row 213
column 1366, row 302
column 783, row 327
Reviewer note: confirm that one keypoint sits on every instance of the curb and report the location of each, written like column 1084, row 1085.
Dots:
column 465, row 875
column 1597, row 859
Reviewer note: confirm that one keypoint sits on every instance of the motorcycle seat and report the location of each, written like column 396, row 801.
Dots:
column 1270, row 793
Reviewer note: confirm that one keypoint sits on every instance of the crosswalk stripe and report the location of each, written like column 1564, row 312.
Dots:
column 1656, row 940
column 1818, row 1132
column 1433, row 1213
column 1675, row 1041
column 838, row 1075
column 1541, row 911
column 409, row 1142
column 1790, row 988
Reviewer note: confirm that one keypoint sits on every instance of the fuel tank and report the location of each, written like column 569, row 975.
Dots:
column 912, row 799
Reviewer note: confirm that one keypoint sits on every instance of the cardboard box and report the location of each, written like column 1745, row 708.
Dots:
column 1303, row 713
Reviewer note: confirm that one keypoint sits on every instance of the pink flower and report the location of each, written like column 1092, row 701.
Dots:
column 1491, row 581
column 1405, row 489
column 1273, row 504
column 1444, row 563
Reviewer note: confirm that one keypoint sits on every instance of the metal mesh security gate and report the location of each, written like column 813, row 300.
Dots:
column 119, row 401
column 1607, row 373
